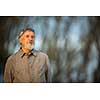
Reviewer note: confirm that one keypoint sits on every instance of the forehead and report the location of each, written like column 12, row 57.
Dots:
column 29, row 32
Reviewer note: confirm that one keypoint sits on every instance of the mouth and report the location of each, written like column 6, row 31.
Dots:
column 30, row 43
column 29, row 46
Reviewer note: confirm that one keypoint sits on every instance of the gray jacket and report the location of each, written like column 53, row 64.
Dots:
column 23, row 68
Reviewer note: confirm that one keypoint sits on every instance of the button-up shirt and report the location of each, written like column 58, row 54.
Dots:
column 21, row 67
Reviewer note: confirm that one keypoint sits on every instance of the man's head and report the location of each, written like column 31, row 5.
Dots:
column 26, row 38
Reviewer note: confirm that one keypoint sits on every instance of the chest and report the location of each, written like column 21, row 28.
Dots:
column 30, row 69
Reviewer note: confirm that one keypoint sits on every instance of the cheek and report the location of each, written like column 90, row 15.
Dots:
column 33, row 41
column 23, row 41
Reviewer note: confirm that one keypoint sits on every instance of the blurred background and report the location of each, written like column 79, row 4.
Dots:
column 71, row 42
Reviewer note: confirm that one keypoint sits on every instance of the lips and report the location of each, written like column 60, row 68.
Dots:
column 30, row 42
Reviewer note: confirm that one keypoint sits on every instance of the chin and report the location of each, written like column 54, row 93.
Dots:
column 29, row 46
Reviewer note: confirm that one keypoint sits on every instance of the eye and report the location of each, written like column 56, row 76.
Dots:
column 32, row 37
column 27, row 36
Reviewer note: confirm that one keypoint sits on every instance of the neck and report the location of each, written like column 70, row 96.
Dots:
column 27, row 51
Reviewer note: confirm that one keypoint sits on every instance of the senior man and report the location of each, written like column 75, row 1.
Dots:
column 27, row 64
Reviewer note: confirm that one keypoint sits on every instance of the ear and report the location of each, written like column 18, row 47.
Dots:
column 20, row 40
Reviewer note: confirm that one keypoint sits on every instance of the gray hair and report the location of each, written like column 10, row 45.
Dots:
column 24, row 30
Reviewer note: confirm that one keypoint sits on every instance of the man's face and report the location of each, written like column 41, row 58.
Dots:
column 27, row 40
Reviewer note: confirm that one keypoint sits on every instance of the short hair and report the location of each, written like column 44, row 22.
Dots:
column 24, row 30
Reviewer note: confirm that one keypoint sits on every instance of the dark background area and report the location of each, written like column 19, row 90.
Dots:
column 72, row 44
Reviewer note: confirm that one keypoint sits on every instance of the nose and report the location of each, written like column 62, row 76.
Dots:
column 30, row 39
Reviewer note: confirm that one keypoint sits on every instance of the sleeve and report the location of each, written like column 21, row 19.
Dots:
column 48, row 70
column 8, row 73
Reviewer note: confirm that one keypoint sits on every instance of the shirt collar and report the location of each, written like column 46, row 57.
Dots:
column 22, row 53
column 34, row 52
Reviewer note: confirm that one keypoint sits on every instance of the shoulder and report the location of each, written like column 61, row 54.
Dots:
column 40, row 53
column 11, row 57
column 10, row 61
column 43, row 54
